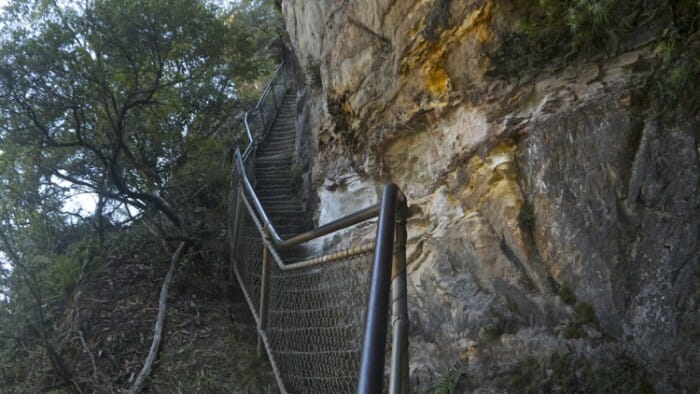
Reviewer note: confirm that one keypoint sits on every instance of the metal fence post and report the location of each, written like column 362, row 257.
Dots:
column 236, row 229
column 373, row 345
column 399, row 383
column 264, row 298
column 264, row 125
column 274, row 95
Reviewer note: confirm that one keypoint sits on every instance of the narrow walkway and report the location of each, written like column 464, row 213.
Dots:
column 275, row 183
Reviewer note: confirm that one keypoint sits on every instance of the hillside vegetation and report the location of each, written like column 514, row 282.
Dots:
column 115, row 123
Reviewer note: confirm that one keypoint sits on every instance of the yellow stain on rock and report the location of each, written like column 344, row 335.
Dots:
column 435, row 78
column 346, row 107
column 428, row 57
column 493, row 181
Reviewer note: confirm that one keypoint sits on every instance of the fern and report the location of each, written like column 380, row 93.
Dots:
column 447, row 382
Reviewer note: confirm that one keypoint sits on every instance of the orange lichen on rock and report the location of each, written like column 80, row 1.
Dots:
column 435, row 77
column 428, row 57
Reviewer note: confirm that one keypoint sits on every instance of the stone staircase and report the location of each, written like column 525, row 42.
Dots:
column 274, row 183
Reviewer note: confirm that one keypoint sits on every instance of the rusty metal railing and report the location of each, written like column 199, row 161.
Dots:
column 322, row 336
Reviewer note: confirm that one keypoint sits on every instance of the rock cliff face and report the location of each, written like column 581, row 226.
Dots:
column 553, row 243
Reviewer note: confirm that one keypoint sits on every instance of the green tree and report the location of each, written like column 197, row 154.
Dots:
column 120, row 99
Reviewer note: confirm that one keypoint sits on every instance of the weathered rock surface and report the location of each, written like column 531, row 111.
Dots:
column 555, row 215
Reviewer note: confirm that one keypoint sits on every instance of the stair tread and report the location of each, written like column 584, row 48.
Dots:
column 274, row 187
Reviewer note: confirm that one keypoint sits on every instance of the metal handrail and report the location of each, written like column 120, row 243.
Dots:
column 388, row 270
column 388, row 275
column 338, row 224
column 263, row 97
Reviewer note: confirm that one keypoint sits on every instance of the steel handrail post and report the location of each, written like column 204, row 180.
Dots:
column 236, row 224
column 264, row 125
column 269, row 83
column 374, row 342
column 247, row 130
column 399, row 383
column 274, row 96
column 264, row 298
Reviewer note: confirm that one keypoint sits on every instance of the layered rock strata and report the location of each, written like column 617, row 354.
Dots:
column 555, row 213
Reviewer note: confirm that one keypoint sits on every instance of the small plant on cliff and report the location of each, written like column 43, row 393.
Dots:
column 577, row 22
column 678, row 77
column 583, row 314
column 297, row 174
column 447, row 382
column 622, row 375
column 526, row 376
column 566, row 294
column 498, row 326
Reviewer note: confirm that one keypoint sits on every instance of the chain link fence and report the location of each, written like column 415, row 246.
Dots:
column 316, row 314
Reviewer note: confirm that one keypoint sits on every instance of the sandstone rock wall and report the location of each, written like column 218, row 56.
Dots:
column 555, row 215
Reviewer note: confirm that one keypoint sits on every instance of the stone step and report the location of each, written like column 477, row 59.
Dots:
column 274, row 157
column 287, row 230
column 279, row 185
column 277, row 141
column 274, row 162
column 289, row 138
column 283, row 118
column 273, row 154
column 287, row 212
column 267, row 184
column 283, row 207
column 282, row 220
column 265, row 175
column 280, row 199
column 283, row 145
column 275, row 190
column 276, row 185
column 273, row 174
column 285, row 136
column 278, row 147
column 269, row 197
column 270, row 173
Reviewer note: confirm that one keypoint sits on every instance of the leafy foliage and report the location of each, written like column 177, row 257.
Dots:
column 566, row 294
column 447, row 382
column 552, row 31
column 678, row 78
column 129, row 102
column 579, row 18
column 583, row 314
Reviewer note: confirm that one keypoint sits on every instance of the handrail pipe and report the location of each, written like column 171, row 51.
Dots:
column 388, row 277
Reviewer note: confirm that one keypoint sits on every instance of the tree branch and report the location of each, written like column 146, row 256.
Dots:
column 160, row 321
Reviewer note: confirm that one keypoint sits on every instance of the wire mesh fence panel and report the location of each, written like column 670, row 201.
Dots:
column 316, row 323
column 249, row 259
column 316, row 315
